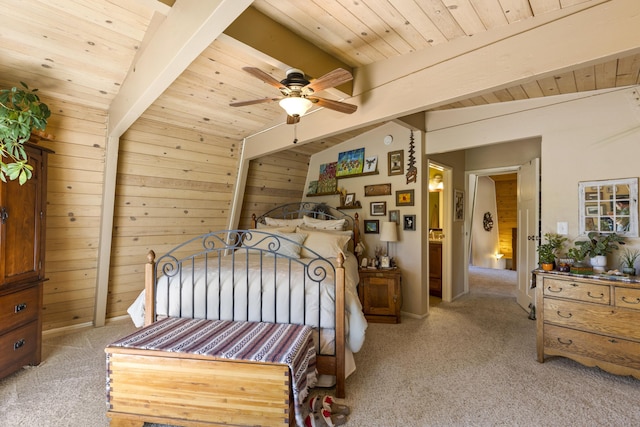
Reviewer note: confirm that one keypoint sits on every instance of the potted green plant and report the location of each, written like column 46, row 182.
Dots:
column 547, row 251
column 628, row 260
column 21, row 112
column 598, row 246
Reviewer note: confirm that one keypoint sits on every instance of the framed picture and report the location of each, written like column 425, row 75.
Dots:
column 313, row 187
column 371, row 226
column 396, row 162
column 370, row 164
column 410, row 222
column 378, row 208
column 327, row 183
column 592, row 196
column 377, row 190
column 394, row 216
column 593, row 211
column 349, row 199
column 350, row 162
column 404, row 198
column 458, row 205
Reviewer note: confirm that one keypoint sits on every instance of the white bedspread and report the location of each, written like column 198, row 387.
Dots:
column 221, row 280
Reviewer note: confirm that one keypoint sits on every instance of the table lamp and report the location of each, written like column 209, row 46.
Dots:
column 388, row 233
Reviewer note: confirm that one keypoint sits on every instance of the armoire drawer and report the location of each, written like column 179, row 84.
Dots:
column 19, row 308
column 575, row 290
column 594, row 346
column 606, row 320
column 18, row 348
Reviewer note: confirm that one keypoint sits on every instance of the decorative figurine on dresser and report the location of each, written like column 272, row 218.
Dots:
column 22, row 273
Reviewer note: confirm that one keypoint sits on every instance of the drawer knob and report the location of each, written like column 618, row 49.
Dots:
column 629, row 301
column 553, row 290
column 595, row 296
column 566, row 317
column 21, row 307
column 18, row 344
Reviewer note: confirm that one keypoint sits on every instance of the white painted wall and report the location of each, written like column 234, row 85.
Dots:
column 408, row 251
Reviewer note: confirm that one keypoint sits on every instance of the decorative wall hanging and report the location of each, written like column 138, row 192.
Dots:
column 350, row 162
column 487, row 221
column 377, row 190
column 370, row 164
column 327, row 183
column 458, row 205
column 396, row 162
column 371, row 226
column 410, row 222
column 404, row 198
column 412, row 170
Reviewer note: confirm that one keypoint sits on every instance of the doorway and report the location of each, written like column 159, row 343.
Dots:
column 439, row 214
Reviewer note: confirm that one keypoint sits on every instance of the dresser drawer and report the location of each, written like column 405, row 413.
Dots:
column 570, row 289
column 599, row 347
column 19, row 308
column 627, row 298
column 18, row 348
column 608, row 320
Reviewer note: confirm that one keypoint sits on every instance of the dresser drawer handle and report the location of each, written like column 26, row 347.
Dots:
column 551, row 290
column 18, row 344
column 613, row 341
column 21, row 307
column 567, row 342
column 637, row 301
column 596, row 296
column 566, row 317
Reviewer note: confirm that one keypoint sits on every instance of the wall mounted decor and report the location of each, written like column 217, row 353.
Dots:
column 378, row 208
column 404, row 198
column 349, row 199
column 410, row 222
column 609, row 206
column 370, row 164
column 395, row 160
column 350, row 162
column 327, row 183
column 412, row 170
column 371, row 226
column 487, row 221
column 377, row 190
column 394, row 216
column 458, row 205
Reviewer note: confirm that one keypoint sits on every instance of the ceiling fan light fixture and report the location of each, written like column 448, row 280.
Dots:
column 296, row 106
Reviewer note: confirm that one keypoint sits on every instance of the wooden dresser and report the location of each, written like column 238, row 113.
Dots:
column 22, row 234
column 594, row 321
column 380, row 293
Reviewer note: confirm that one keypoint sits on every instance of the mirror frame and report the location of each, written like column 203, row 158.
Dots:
column 596, row 206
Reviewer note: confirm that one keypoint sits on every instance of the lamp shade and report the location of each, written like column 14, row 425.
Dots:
column 295, row 106
column 389, row 232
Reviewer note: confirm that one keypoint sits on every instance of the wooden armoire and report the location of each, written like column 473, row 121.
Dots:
column 22, row 273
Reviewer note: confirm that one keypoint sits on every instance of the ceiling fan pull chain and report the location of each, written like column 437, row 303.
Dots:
column 295, row 133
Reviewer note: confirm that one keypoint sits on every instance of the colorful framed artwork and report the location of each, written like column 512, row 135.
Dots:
column 313, row 187
column 377, row 190
column 350, row 162
column 396, row 162
column 458, row 205
column 378, row 208
column 394, row 216
column 327, row 183
column 371, row 226
column 404, row 198
column 410, row 222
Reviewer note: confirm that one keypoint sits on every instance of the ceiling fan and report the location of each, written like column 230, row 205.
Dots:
column 298, row 92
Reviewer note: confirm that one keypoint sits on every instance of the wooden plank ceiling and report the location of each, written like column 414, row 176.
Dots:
column 82, row 50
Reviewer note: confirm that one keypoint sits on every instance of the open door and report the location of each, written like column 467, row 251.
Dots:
column 528, row 221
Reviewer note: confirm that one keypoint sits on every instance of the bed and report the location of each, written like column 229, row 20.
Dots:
column 296, row 266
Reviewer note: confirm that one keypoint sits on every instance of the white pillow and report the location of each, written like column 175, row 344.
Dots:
column 272, row 228
column 324, row 224
column 326, row 245
column 275, row 245
column 279, row 222
column 304, row 228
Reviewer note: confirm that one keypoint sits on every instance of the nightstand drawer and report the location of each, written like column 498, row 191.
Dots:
column 19, row 308
column 570, row 289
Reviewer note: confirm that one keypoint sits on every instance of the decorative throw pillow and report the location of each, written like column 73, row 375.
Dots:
column 276, row 242
column 324, row 224
column 326, row 245
column 279, row 222
column 272, row 228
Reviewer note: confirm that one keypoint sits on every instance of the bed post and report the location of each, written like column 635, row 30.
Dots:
column 254, row 221
column 340, row 325
column 149, row 289
column 356, row 230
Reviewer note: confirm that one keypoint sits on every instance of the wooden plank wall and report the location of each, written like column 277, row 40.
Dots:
column 172, row 184
column 507, row 205
column 74, row 200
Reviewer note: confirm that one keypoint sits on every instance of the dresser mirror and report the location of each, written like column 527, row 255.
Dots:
column 609, row 206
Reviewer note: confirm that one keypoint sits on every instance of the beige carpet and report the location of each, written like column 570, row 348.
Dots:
column 470, row 363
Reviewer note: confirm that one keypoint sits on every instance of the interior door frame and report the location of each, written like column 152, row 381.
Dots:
column 447, row 227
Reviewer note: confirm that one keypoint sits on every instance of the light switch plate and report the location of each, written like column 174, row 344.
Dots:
column 563, row 228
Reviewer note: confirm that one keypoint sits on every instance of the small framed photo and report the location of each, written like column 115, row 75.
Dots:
column 349, row 199
column 371, row 226
column 404, row 198
column 394, row 216
column 396, row 162
column 458, row 205
column 370, row 164
column 378, row 208
column 410, row 222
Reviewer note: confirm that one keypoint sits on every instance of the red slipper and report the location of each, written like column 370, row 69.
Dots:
column 327, row 402
column 324, row 419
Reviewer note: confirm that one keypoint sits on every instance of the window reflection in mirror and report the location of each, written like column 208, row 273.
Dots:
column 609, row 206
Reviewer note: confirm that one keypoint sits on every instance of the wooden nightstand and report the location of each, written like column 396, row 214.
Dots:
column 380, row 293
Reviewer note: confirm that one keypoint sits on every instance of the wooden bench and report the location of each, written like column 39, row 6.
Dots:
column 196, row 372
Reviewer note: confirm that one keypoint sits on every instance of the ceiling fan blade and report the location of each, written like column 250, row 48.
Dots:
column 331, row 79
column 258, row 73
column 252, row 102
column 341, row 107
column 292, row 120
